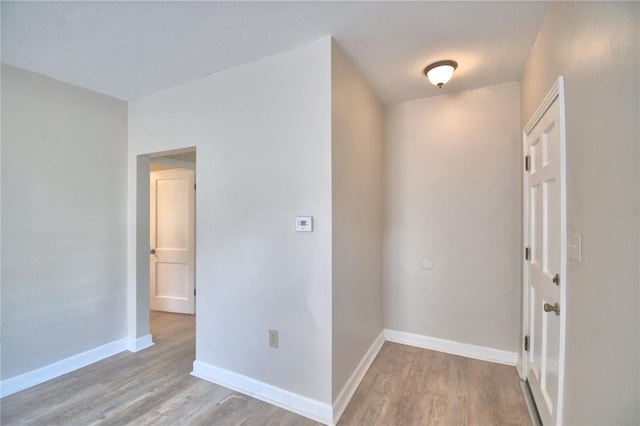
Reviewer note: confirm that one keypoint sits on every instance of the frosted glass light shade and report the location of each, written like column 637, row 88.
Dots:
column 440, row 72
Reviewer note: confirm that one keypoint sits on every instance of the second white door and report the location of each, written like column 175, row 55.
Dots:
column 172, row 263
column 546, row 269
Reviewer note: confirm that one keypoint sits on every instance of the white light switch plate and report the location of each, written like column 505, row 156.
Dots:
column 304, row 224
column 574, row 247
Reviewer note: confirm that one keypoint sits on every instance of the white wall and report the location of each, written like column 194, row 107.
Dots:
column 263, row 137
column 356, row 122
column 452, row 194
column 63, row 220
column 595, row 46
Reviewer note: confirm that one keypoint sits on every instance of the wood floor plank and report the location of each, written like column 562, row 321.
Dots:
column 404, row 386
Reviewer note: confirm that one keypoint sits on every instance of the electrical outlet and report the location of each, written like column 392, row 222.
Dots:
column 273, row 338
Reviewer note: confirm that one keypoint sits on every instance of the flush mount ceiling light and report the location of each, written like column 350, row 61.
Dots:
column 440, row 72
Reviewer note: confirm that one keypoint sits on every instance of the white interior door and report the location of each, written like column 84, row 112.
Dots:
column 546, row 268
column 172, row 265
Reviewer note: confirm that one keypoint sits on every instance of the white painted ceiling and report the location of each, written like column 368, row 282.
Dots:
column 131, row 49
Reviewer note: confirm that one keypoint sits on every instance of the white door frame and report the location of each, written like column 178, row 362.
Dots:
column 139, row 304
column 556, row 92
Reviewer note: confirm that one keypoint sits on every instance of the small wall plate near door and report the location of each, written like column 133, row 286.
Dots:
column 574, row 247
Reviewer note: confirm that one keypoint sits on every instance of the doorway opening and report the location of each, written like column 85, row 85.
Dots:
column 140, row 305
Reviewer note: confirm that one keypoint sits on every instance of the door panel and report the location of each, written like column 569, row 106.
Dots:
column 171, row 280
column 172, row 265
column 172, row 212
column 546, row 216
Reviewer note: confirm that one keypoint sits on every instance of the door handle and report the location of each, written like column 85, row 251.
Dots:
column 556, row 279
column 552, row 308
column 152, row 251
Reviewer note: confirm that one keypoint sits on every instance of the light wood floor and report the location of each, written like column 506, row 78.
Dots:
column 413, row 386
column 404, row 385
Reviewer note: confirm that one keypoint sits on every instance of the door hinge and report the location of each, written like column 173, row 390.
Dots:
column 194, row 186
column 527, row 163
column 526, row 343
column 194, row 291
column 527, row 253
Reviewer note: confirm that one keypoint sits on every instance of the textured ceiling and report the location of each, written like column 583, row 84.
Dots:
column 132, row 49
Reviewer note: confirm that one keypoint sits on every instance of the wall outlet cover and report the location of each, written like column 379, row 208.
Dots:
column 273, row 338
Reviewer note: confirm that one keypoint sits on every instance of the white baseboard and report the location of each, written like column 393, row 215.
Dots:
column 456, row 348
column 307, row 407
column 64, row 366
column 345, row 395
column 136, row 345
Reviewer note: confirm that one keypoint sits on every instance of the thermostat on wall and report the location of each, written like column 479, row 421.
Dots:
column 304, row 224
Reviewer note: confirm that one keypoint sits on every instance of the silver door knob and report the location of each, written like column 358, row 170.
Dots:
column 153, row 251
column 552, row 308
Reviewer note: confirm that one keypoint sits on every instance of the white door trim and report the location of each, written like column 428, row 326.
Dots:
column 556, row 92
column 138, row 252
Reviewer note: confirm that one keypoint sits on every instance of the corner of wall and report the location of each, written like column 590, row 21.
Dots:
column 356, row 170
